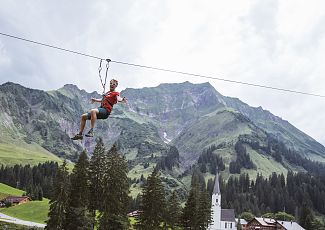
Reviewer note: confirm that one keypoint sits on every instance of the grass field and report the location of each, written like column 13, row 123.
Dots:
column 35, row 211
column 266, row 165
column 11, row 154
column 3, row 195
column 5, row 189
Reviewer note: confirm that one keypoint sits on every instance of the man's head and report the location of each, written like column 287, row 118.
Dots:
column 113, row 84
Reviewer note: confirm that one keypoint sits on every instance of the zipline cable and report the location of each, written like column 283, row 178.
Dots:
column 163, row 69
column 51, row 46
column 220, row 79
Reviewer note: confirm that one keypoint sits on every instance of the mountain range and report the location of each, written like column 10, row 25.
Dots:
column 171, row 124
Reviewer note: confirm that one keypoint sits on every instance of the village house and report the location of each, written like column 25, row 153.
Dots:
column 242, row 223
column 261, row 223
column 271, row 224
column 15, row 200
column 288, row 225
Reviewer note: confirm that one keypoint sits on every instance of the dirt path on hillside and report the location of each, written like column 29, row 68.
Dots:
column 9, row 219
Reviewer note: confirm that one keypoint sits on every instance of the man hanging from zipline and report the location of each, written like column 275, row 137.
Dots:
column 107, row 102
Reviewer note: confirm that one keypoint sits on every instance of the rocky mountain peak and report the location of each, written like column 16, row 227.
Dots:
column 71, row 87
column 9, row 84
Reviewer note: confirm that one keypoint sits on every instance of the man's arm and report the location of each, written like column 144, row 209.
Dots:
column 122, row 99
column 95, row 100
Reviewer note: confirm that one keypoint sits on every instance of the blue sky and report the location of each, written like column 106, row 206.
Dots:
column 270, row 42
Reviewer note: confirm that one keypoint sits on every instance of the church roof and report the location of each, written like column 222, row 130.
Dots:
column 216, row 188
column 228, row 215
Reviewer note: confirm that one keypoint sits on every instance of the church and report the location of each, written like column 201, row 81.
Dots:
column 221, row 218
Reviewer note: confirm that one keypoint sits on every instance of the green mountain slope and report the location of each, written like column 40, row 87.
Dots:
column 191, row 117
column 175, row 106
column 6, row 190
column 282, row 129
column 23, row 153
column 224, row 127
column 34, row 116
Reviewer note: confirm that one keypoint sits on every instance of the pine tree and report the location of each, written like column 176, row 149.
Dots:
column 59, row 202
column 116, row 189
column 306, row 218
column 96, row 179
column 204, row 210
column 174, row 211
column 40, row 193
column 153, row 203
column 210, row 186
column 78, row 216
column 190, row 211
column 197, row 210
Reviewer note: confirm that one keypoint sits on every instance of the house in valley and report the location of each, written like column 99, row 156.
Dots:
column 15, row 200
column 271, row 224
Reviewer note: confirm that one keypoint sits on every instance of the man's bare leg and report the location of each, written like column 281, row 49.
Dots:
column 82, row 127
column 83, row 122
column 94, row 113
column 93, row 119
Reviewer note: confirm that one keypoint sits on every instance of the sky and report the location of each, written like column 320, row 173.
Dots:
column 268, row 42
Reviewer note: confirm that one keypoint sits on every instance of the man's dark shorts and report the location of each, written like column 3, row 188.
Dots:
column 103, row 114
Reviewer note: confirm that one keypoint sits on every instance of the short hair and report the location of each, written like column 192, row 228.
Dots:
column 114, row 80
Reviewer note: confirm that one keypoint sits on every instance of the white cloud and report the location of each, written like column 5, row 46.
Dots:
column 271, row 42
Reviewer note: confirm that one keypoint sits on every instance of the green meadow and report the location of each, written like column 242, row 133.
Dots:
column 35, row 211
column 11, row 154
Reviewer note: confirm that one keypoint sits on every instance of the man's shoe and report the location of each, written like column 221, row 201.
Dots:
column 77, row 137
column 90, row 134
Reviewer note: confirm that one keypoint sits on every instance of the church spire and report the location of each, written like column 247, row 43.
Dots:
column 216, row 188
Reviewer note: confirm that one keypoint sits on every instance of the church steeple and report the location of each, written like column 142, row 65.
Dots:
column 219, row 217
column 216, row 188
column 216, row 205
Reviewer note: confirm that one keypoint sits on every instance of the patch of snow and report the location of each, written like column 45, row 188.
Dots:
column 166, row 139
